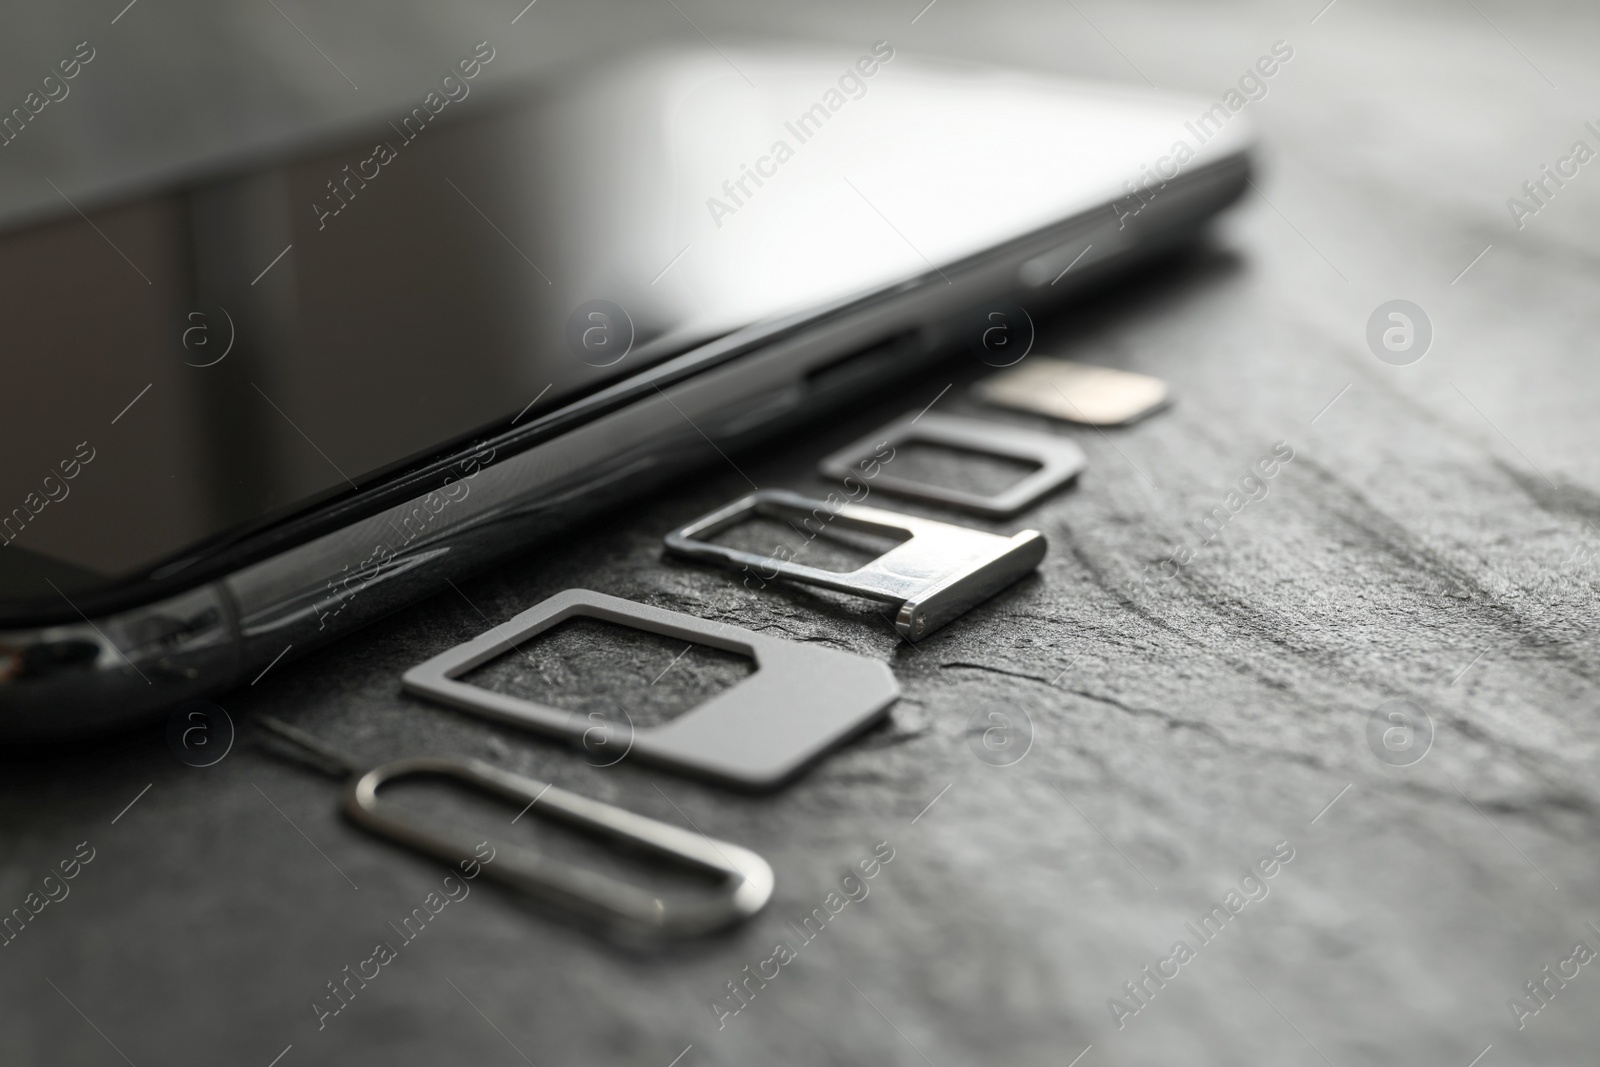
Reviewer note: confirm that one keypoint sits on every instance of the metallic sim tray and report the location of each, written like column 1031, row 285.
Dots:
column 802, row 699
column 744, row 883
column 940, row 572
column 1059, row 461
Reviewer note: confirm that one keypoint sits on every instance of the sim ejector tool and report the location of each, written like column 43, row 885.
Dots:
column 940, row 572
column 747, row 880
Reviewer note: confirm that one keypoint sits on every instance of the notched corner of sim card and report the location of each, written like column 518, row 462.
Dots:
column 1075, row 392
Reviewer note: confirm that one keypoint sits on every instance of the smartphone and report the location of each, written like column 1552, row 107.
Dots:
column 275, row 398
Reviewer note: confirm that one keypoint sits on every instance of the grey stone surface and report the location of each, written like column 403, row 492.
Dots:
column 1431, row 541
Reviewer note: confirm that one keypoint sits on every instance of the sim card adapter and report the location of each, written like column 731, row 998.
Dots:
column 1056, row 461
column 801, row 700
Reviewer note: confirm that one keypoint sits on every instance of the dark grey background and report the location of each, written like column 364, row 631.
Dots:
column 1429, row 541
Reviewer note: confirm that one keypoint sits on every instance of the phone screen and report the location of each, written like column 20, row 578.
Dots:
column 208, row 357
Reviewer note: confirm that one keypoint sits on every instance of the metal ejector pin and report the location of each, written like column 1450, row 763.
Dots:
column 744, row 887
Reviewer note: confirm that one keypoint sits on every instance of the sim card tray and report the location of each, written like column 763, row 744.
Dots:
column 930, row 579
column 1059, row 461
column 801, row 700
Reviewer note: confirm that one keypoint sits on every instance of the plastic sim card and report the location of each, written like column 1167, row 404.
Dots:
column 802, row 699
column 1075, row 392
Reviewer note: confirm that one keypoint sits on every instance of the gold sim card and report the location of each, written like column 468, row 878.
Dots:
column 1075, row 392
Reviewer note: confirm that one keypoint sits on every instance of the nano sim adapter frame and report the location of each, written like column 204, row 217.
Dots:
column 930, row 579
column 1059, row 460
column 801, row 700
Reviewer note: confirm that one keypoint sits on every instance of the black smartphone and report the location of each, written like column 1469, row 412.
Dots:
column 268, row 402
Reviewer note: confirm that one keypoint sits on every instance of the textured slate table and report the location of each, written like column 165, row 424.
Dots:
column 1430, row 541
